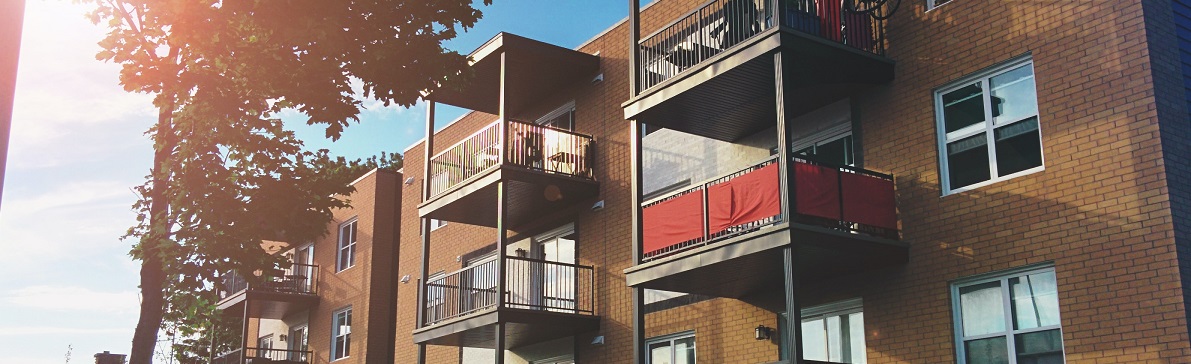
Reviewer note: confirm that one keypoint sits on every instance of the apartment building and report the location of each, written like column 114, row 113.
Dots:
column 803, row 181
column 337, row 301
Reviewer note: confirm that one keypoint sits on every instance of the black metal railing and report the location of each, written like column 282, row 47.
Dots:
column 264, row 355
column 840, row 197
column 526, row 145
column 719, row 25
column 532, row 284
column 297, row 278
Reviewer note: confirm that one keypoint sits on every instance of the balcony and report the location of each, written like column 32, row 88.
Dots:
column 713, row 72
column 273, row 295
column 546, row 170
column 542, row 300
column 723, row 237
column 264, row 355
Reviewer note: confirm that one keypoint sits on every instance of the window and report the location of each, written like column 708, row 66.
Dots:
column 436, row 223
column 835, row 150
column 833, row 332
column 264, row 345
column 561, row 118
column 988, row 127
column 931, row 4
column 347, row 246
column 1011, row 318
column 341, row 333
column 672, row 349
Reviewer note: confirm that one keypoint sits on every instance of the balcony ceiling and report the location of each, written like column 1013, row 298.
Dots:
column 532, row 195
column 535, row 70
column 752, row 269
column 733, row 95
column 522, row 327
column 267, row 305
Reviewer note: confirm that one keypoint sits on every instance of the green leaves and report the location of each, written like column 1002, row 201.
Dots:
column 227, row 175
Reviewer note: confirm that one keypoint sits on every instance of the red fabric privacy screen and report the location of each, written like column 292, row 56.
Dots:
column 829, row 19
column 747, row 198
column 673, row 221
column 816, row 191
column 859, row 30
column 868, row 200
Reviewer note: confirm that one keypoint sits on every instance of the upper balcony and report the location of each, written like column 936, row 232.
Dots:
column 723, row 237
column 542, row 300
column 273, row 295
column 547, row 169
column 712, row 71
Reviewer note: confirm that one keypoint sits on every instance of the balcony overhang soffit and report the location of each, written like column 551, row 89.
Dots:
column 534, row 70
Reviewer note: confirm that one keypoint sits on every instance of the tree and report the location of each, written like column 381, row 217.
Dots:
column 225, row 173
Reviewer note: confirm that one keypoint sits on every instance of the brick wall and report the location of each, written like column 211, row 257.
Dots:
column 1100, row 211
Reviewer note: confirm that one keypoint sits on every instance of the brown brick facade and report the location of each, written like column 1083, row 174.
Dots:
column 1101, row 212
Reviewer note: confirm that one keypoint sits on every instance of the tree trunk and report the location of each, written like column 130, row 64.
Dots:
column 144, row 339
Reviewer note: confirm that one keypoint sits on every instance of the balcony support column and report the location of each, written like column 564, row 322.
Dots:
column 503, row 109
column 634, row 49
column 635, row 131
column 793, row 336
column 499, row 348
column 244, row 330
column 420, row 321
column 502, row 243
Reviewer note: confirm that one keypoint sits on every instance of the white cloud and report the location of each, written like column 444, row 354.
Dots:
column 50, row 330
column 71, row 298
column 64, row 222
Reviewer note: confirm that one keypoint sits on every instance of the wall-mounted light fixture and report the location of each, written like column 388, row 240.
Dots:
column 409, row 181
column 405, row 278
column 762, row 332
column 284, row 338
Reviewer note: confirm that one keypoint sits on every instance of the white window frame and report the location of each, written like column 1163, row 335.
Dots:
column 826, row 136
column 1007, row 301
column 569, row 107
column 344, row 245
column 436, row 224
column 671, row 338
column 336, row 354
column 834, row 309
column 932, row 4
column 988, row 127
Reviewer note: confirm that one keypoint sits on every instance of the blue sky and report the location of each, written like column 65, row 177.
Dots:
column 78, row 147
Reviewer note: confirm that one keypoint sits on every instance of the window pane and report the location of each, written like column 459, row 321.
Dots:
column 814, row 340
column 836, row 152
column 987, row 351
column 967, row 161
column 1035, row 300
column 856, row 338
column 659, row 353
column 1013, row 95
column 963, row 107
column 1018, row 147
column 684, row 350
column 982, row 309
column 1044, row 347
column 834, row 339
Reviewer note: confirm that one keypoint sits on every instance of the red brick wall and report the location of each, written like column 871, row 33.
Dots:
column 363, row 286
column 1099, row 211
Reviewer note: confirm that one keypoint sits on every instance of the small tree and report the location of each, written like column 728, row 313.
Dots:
column 225, row 173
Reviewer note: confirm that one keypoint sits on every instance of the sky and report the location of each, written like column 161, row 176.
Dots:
column 68, row 288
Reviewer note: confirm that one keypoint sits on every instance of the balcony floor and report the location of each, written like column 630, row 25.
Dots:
column 522, row 327
column 530, row 193
column 751, row 265
column 733, row 94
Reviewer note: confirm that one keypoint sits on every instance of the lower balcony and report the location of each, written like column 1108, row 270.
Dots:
column 724, row 237
column 542, row 300
column 271, row 295
column 264, row 355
